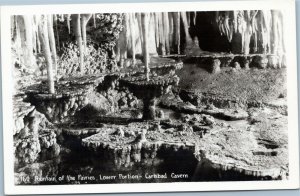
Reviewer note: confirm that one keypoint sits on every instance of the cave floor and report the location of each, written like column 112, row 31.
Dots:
column 261, row 85
column 248, row 139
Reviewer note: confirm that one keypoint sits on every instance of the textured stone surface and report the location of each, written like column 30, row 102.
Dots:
column 245, row 61
column 131, row 143
column 258, row 149
column 33, row 134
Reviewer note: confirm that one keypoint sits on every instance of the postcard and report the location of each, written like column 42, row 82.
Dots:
column 149, row 97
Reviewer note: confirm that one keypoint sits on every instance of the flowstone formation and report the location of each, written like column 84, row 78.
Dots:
column 214, row 62
column 217, row 144
column 34, row 135
column 152, row 88
column 149, row 91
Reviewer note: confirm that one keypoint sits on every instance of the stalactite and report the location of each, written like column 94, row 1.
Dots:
column 171, row 29
column 57, row 31
column 18, row 39
column 247, row 32
column 161, row 34
column 166, row 32
column 139, row 19
column 128, row 34
column 255, row 33
column 122, row 42
column 266, row 25
column 282, row 32
column 176, row 21
column 249, row 17
column 156, row 17
column 68, row 23
column 188, row 18
column 186, row 26
column 94, row 20
column 29, row 58
column 275, row 32
column 235, row 21
column 34, row 38
column 145, row 26
column 227, row 26
column 62, row 18
column 132, row 35
column 77, row 32
column 188, row 38
column 12, row 27
column 52, row 42
column 44, row 39
column 255, row 47
column 38, row 43
column 194, row 18
column 117, row 51
column 84, row 20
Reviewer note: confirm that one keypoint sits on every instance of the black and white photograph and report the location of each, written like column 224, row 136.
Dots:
column 133, row 97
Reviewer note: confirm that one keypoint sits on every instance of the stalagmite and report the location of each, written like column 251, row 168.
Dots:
column 145, row 25
column 52, row 42
column 44, row 39
column 77, row 32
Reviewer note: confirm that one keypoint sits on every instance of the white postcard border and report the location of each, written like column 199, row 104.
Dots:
column 7, row 85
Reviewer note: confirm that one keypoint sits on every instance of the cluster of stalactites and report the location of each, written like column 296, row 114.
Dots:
column 255, row 31
column 263, row 27
column 163, row 33
column 32, row 34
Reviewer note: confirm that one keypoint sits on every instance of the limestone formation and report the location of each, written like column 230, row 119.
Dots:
column 216, row 66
